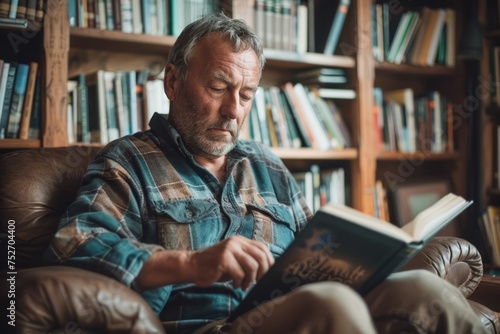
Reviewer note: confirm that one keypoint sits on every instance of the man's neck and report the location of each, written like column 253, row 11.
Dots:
column 217, row 166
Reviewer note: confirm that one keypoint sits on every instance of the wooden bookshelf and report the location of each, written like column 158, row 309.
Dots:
column 71, row 51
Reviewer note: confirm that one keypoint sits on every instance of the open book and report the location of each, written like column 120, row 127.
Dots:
column 344, row 245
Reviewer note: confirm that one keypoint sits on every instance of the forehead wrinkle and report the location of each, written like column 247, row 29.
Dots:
column 223, row 77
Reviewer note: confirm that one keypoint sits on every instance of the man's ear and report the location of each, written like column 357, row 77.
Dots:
column 171, row 81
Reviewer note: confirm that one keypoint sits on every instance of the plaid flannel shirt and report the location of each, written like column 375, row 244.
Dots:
column 145, row 193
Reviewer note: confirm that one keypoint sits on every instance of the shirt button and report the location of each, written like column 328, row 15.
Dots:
column 225, row 199
column 189, row 214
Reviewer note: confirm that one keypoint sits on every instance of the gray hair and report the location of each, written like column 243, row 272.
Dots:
column 236, row 31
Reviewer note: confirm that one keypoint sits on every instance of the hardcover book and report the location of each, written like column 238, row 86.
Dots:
column 344, row 245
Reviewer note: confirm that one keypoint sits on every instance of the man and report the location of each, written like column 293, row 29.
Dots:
column 191, row 217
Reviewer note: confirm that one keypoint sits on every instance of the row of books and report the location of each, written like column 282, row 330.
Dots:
column 104, row 106
column 294, row 116
column 153, row 17
column 322, row 186
column 423, row 38
column 292, row 24
column 32, row 10
column 19, row 100
column 408, row 123
column 281, row 24
column 490, row 229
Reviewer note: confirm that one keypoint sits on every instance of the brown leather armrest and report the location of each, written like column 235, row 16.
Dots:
column 488, row 293
column 453, row 259
column 51, row 298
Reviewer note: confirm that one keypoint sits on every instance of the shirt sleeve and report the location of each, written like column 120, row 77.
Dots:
column 102, row 229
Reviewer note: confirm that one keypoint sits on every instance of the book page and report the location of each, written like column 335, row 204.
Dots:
column 367, row 221
column 436, row 216
column 423, row 225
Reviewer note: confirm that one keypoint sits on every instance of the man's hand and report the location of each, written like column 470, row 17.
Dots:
column 237, row 258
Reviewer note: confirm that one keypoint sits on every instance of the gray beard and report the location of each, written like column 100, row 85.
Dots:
column 191, row 127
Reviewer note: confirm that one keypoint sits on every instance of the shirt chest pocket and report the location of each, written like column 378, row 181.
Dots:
column 187, row 224
column 273, row 225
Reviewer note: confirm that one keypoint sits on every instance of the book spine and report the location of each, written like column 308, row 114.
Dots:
column 126, row 15
column 4, row 70
column 101, row 19
column 34, row 126
column 336, row 28
column 40, row 10
column 21, row 9
column 72, row 13
column 9, row 88
column 16, row 104
column 91, row 13
column 28, row 101
column 110, row 21
column 117, row 14
column 13, row 9
column 4, row 8
column 31, row 10
column 83, row 109
column 134, row 113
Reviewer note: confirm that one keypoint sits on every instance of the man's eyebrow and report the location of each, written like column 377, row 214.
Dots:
column 227, row 80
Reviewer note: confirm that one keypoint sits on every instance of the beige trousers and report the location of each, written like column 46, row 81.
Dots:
column 406, row 302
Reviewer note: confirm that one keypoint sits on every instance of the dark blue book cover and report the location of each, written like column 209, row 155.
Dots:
column 344, row 245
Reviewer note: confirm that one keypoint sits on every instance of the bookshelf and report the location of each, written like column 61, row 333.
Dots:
column 488, row 18
column 64, row 52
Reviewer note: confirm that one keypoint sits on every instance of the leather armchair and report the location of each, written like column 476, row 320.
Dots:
column 37, row 185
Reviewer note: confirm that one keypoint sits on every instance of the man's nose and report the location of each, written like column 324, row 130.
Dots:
column 231, row 107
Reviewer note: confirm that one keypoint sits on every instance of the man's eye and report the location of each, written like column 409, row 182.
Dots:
column 246, row 98
column 217, row 89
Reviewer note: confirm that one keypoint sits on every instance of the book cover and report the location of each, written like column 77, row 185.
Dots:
column 344, row 245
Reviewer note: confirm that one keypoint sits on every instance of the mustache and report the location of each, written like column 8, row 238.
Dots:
column 230, row 126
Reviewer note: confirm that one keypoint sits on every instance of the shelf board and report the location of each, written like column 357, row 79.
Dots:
column 315, row 154
column 405, row 69
column 117, row 41
column 19, row 143
column 291, row 60
column 396, row 156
